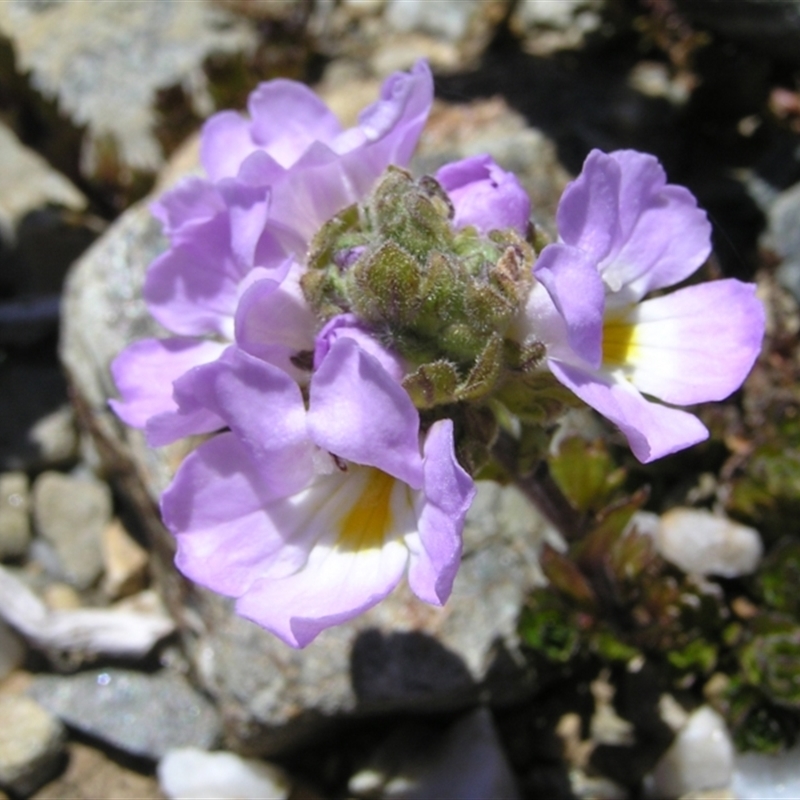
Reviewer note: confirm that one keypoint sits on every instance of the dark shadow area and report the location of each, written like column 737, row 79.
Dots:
column 408, row 670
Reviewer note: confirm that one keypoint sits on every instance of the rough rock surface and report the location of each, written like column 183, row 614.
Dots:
column 144, row 715
column 104, row 62
column 31, row 741
column 402, row 654
column 15, row 526
column 71, row 514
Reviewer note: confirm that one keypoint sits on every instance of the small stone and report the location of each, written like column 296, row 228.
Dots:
column 191, row 773
column 701, row 543
column 15, row 527
column 55, row 436
column 144, row 715
column 61, row 597
column 700, row 758
column 125, row 562
column 758, row 776
column 31, row 741
column 91, row 775
column 12, row 650
column 420, row 762
column 70, row 514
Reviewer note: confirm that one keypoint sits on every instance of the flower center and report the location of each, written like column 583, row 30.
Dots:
column 366, row 524
column 619, row 342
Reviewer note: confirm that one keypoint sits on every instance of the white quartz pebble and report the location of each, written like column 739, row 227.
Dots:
column 187, row 772
column 700, row 542
column 700, row 758
column 764, row 777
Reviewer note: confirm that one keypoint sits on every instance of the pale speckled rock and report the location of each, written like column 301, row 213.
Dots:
column 71, row 514
column 191, row 774
column 144, row 715
column 759, row 776
column 700, row 758
column 402, row 654
column 28, row 182
column 551, row 25
column 15, row 526
column 104, row 62
column 31, row 741
column 705, row 544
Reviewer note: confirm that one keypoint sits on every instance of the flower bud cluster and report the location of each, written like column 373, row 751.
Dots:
column 443, row 299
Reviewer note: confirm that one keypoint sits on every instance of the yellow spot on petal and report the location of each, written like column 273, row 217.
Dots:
column 367, row 523
column 619, row 343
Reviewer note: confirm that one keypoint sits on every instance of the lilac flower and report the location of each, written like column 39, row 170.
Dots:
column 484, row 195
column 624, row 232
column 275, row 179
column 302, row 539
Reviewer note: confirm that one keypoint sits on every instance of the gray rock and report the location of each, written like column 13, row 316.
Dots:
column 31, row 742
column 71, row 514
column 105, row 62
column 399, row 655
column 15, row 526
column 144, row 715
column 465, row 762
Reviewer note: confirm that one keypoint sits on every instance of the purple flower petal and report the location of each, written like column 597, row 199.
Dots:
column 274, row 322
column 485, row 196
column 358, row 412
column 192, row 202
column 263, row 406
column 192, row 288
column 447, row 495
column 588, row 213
column 350, row 327
column 652, row 430
column 574, row 285
column 145, row 371
column 225, row 142
column 215, row 508
column 696, row 344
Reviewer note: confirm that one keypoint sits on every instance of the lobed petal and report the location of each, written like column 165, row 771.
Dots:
column 588, row 213
column 145, row 371
column 225, row 141
column 571, row 279
column 442, row 507
column 264, row 407
column 287, row 118
column 348, row 326
column 274, row 322
column 360, row 413
column 192, row 289
column 652, row 430
column 215, row 509
column 696, row 344
column 346, row 572
column 190, row 203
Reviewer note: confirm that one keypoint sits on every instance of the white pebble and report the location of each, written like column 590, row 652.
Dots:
column 699, row 542
column 187, row 772
column 701, row 757
column 763, row 777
